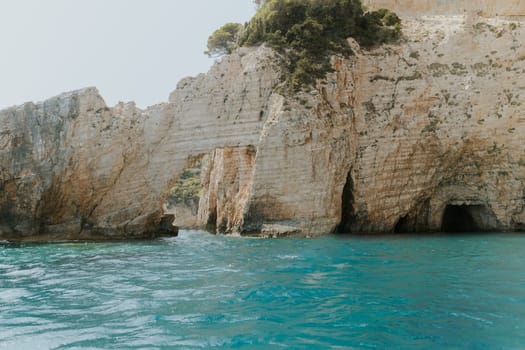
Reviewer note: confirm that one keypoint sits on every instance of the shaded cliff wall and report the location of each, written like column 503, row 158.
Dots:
column 227, row 184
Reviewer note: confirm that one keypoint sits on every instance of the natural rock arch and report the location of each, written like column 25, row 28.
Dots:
column 399, row 116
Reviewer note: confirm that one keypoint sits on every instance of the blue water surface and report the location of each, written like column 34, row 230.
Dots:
column 200, row 291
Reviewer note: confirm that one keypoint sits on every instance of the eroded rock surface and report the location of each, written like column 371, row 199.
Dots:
column 399, row 138
column 72, row 168
column 417, row 8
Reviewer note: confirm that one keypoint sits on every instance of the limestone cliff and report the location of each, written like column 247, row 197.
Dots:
column 72, row 168
column 418, row 8
column 416, row 136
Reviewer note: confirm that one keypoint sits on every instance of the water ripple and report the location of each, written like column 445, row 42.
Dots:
column 201, row 291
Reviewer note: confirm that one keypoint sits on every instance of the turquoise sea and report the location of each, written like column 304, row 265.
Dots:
column 200, row 291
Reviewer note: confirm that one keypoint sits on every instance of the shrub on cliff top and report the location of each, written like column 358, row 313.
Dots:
column 223, row 40
column 308, row 32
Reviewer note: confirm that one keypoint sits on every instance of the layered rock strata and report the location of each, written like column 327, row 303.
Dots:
column 73, row 168
column 415, row 136
column 417, row 8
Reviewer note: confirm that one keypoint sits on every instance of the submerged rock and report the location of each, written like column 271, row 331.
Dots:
column 390, row 141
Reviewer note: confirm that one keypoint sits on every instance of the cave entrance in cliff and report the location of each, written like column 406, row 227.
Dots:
column 402, row 225
column 347, row 206
column 183, row 197
column 468, row 218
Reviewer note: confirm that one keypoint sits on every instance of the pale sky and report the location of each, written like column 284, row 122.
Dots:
column 129, row 49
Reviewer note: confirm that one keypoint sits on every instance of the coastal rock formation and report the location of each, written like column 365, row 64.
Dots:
column 422, row 135
column 72, row 168
column 438, row 121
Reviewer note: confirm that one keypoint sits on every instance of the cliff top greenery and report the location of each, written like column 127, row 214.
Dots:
column 307, row 33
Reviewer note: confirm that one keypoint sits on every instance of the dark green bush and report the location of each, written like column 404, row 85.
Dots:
column 223, row 40
column 308, row 32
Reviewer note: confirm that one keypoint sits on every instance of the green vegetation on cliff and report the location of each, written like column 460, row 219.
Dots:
column 308, row 32
column 223, row 40
column 187, row 189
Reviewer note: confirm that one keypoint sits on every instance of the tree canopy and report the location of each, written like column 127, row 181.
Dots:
column 223, row 40
column 308, row 32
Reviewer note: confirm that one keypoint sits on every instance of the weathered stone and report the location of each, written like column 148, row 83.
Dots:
column 71, row 164
column 395, row 139
column 489, row 8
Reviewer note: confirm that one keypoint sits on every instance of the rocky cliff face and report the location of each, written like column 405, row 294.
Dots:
column 418, row 8
column 419, row 136
column 72, row 168
column 438, row 121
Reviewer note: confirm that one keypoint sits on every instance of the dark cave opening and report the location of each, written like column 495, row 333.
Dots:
column 468, row 218
column 402, row 225
column 211, row 223
column 457, row 218
column 347, row 206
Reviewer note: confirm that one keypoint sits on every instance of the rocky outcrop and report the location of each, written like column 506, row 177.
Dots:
column 227, row 184
column 72, row 168
column 438, row 121
column 417, row 136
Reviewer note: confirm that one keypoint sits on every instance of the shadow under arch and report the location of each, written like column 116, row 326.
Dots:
column 468, row 218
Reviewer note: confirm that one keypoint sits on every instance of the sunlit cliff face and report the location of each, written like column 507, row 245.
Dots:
column 417, row 135
column 486, row 8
